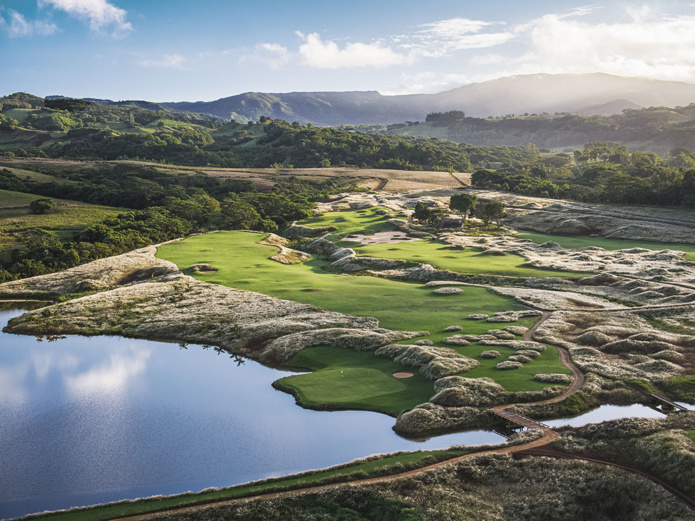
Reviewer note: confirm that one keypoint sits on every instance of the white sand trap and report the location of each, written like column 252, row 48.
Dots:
column 386, row 237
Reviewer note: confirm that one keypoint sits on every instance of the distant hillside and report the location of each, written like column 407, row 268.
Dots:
column 598, row 93
column 608, row 109
column 658, row 129
column 149, row 105
column 323, row 108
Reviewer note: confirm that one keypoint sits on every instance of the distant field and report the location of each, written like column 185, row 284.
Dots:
column 265, row 178
column 69, row 217
column 609, row 244
column 24, row 174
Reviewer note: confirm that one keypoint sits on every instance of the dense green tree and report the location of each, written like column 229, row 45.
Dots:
column 492, row 211
column 463, row 204
column 42, row 206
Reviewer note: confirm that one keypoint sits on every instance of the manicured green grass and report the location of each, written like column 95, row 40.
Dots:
column 245, row 264
column 691, row 434
column 357, row 470
column 355, row 380
column 365, row 221
column 608, row 244
column 468, row 261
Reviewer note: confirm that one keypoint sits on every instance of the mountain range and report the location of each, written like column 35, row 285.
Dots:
column 587, row 94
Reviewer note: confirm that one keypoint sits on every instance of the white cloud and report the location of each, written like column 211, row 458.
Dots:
column 13, row 385
column 271, row 55
column 427, row 83
column 487, row 59
column 444, row 37
column 112, row 376
column 99, row 14
column 647, row 44
column 315, row 52
column 168, row 61
column 17, row 25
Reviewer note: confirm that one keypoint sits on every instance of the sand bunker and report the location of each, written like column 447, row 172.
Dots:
column 386, row 237
column 403, row 375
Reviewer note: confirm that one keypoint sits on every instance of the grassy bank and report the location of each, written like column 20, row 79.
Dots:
column 608, row 244
column 371, row 467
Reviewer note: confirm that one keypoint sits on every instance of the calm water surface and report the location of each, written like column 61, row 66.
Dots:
column 91, row 420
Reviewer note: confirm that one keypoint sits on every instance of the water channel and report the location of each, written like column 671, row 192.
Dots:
column 86, row 420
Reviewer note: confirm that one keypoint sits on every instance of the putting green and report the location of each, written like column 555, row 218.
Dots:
column 365, row 221
column 355, row 380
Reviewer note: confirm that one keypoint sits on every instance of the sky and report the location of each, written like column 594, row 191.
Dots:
column 176, row 50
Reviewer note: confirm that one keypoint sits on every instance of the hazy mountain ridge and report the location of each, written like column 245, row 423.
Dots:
column 596, row 93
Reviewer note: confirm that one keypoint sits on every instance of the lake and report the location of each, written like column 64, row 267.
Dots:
column 87, row 420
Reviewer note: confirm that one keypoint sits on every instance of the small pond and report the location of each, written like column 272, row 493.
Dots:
column 86, row 420
column 610, row 412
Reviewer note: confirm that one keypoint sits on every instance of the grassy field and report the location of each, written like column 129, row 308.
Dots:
column 469, row 261
column 25, row 175
column 245, row 264
column 68, row 217
column 608, row 244
column 518, row 379
column 389, row 464
column 365, row 221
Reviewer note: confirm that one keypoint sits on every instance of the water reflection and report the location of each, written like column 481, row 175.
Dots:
column 608, row 412
column 88, row 420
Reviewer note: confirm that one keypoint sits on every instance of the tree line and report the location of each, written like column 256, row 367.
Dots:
column 163, row 207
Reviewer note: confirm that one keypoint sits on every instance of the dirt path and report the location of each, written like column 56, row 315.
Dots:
column 578, row 377
column 382, row 184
